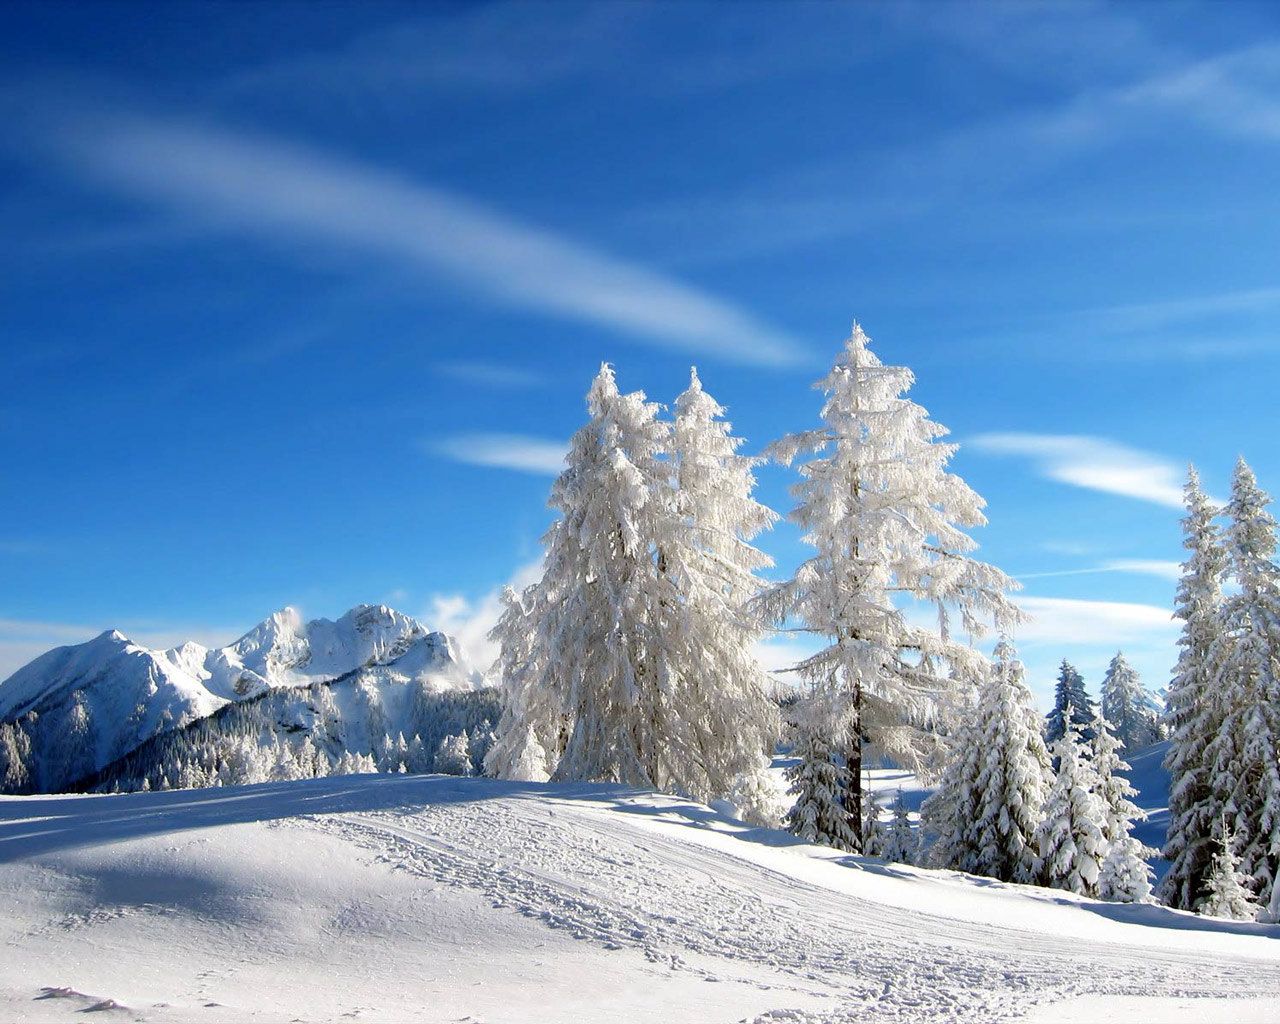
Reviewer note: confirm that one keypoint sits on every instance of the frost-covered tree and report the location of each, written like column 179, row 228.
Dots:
column 1192, row 708
column 1070, row 839
column 631, row 660
column 755, row 797
column 533, row 728
column 817, row 782
column 588, row 635
column 887, row 521
column 950, row 812
column 15, row 755
column 616, row 499
column 874, row 835
column 1245, row 661
column 989, row 805
column 1227, row 893
column 721, row 724
column 901, row 845
column 454, row 756
column 1013, row 773
column 1126, row 876
column 1071, row 703
column 1126, row 705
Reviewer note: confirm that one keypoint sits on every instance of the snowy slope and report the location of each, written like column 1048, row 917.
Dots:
column 131, row 693
column 430, row 898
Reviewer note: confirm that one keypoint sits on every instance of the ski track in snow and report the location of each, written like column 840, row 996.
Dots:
column 591, row 871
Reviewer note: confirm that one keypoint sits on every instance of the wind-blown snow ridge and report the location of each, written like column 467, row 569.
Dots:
column 131, row 692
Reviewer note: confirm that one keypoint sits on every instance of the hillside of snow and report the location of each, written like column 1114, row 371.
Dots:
column 87, row 705
column 392, row 897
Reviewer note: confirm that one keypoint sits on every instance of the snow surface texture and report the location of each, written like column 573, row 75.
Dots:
column 433, row 898
column 132, row 693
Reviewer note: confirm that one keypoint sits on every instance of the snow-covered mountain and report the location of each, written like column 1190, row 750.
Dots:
column 85, row 706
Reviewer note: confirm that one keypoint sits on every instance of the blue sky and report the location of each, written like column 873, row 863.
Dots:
column 298, row 299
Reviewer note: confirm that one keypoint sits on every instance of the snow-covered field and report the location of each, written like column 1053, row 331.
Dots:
column 433, row 898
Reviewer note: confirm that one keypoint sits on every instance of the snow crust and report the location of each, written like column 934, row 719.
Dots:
column 428, row 897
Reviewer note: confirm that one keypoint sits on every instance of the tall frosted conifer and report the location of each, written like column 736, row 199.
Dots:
column 1126, row 707
column 1071, row 840
column 1192, row 708
column 631, row 659
column 1245, row 660
column 1071, row 704
column 991, row 801
column 725, row 726
column 886, row 521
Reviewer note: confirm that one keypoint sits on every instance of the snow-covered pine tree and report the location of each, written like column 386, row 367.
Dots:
column 1227, row 893
column 533, row 729
column 1125, row 705
column 1271, row 914
column 1013, row 773
column 1126, row 876
column 755, row 799
column 887, row 523
column 950, row 812
column 1245, row 754
column 593, row 635
column 721, row 726
column 15, row 754
column 616, row 497
column 1070, row 839
column 817, row 783
column 1069, row 694
column 1192, row 708
column 901, row 845
column 874, row 835
column 454, row 757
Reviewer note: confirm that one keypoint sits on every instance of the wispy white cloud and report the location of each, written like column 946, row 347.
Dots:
column 1094, row 463
column 1089, row 633
column 503, row 451
column 1165, row 570
column 299, row 196
column 1233, row 95
column 1147, row 316
column 492, row 375
column 469, row 619
column 1063, row 621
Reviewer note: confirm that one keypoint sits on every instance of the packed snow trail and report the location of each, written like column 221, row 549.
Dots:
column 384, row 895
column 579, row 864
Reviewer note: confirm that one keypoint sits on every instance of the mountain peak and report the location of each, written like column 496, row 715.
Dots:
column 110, row 637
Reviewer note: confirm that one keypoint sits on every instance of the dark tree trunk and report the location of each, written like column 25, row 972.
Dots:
column 853, row 795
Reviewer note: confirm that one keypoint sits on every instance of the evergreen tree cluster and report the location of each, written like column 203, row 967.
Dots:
column 48, row 748
column 1132, row 712
column 631, row 659
column 333, row 728
column 1224, row 708
column 1012, row 808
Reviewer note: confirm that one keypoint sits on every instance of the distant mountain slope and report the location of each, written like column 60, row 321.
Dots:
column 379, row 718
column 76, row 709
